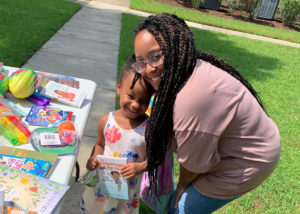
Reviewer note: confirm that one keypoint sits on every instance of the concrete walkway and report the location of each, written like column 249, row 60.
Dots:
column 87, row 47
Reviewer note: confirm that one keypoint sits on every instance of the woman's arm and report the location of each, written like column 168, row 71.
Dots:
column 186, row 177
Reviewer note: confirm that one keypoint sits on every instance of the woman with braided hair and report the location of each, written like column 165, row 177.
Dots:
column 207, row 113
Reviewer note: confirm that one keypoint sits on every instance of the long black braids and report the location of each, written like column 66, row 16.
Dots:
column 178, row 46
column 177, row 43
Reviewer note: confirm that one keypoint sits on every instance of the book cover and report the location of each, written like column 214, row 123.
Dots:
column 30, row 165
column 8, row 150
column 14, row 210
column 63, row 93
column 30, row 192
column 111, row 182
column 1, row 201
column 46, row 116
column 44, row 78
column 9, row 207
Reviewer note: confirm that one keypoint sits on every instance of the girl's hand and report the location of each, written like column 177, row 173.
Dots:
column 131, row 170
column 92, row 163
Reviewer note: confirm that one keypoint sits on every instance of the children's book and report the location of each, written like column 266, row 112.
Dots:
column 1, row 202
column 111, row 182
column 8, row 150
column 30, row 192
column 30, row 165
column 9, row 207
column 46, row 116
column 63, row 93
column 14, row 210
column 44, row 78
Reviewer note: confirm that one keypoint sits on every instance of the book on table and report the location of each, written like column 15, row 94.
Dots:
column 14, row 210
column 111, row 182
column 44, row 78
column 9, row 207
column 46, row 116
column 30, row 165
column 51, row 157
column 64, row 94
column 30, row 192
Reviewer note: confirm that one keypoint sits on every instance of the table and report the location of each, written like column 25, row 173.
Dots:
column 65, row 164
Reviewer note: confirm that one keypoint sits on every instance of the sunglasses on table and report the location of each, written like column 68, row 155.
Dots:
column 153, row 60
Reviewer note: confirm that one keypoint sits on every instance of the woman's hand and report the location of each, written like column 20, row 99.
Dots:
column 180, row 189
column 133, row 169
column 186, row 178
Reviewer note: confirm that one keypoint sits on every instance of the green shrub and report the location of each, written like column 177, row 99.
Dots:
column 231, row 7
column 196, row 3
column 253, row 8
column 289, row 10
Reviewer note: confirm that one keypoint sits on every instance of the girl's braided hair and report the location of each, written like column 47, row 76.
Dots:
column 127, row 69
column 178, row 46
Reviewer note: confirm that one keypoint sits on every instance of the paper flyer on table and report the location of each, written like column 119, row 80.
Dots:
column 63, row 93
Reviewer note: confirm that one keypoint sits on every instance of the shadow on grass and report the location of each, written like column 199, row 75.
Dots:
column 250, row 57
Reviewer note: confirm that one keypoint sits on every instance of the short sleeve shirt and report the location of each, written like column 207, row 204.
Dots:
column 221, row 132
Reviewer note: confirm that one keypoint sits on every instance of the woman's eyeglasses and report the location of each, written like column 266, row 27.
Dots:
column 154, row 60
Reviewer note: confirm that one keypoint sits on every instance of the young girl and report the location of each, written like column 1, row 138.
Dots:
column 121, row 134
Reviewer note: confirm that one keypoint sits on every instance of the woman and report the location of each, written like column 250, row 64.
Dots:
column 206, row 112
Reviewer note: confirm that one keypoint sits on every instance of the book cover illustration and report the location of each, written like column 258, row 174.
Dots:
column 30, row 165
column 9, row 207
column 31, row 192
column 111, row 182
column 63, row 93
column 46, row 116
column 44, row 78
column 8, row 150
column 14, row 210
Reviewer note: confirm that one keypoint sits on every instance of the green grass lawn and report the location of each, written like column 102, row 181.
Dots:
column 155, row 7
column 273, row 70
column 25, row 25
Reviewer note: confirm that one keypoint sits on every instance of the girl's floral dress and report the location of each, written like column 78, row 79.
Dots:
column 119, row 143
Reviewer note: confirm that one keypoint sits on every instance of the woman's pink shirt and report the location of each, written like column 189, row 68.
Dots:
column 222, row 133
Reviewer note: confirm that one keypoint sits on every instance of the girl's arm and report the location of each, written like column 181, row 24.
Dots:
column 186, row 177
column 133, row 169
column 98, row 149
